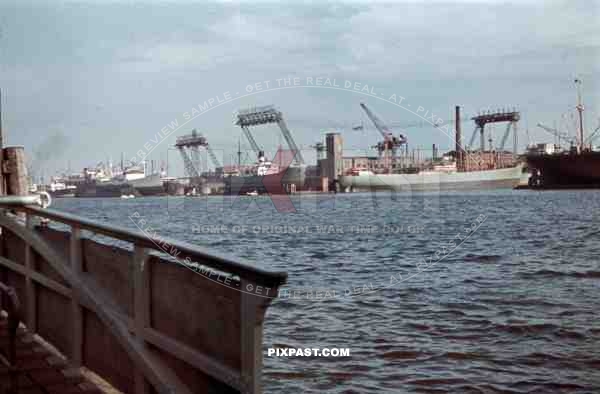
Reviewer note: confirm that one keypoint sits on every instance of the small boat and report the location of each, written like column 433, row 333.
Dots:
column 127, row 196
column 252, row 193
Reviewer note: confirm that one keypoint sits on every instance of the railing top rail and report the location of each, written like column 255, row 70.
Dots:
column 223, row 262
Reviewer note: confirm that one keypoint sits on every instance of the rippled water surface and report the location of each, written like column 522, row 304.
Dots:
column 514, row 308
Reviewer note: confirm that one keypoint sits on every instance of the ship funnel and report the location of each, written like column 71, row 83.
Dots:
column 459, row 149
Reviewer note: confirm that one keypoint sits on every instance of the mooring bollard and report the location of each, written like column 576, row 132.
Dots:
column 15, row 171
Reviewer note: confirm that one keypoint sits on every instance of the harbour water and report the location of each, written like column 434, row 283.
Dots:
column 513, row 308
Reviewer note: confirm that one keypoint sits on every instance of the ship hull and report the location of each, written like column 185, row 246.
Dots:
column 434, row 181
column 62, row 193
column 566, row 170
column 151, row 185
column 104, row 190
column 148, row 186
column 271, row 184
column 159, row 190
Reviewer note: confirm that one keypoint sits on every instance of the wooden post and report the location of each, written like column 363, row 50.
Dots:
column 141, row 306
column 253, row 306
column 1, row 136
column 30, row 289
column 2, row 188
column 76, row 309
column 15, row 171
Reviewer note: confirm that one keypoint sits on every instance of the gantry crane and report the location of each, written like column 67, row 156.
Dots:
column 504, row 115
column 390, row 144
column 191, row 143
column 264, row 115
column 210, row 151
column 504, row 138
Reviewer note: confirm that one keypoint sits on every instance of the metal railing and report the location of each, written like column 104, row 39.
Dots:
column 10, row 300
column 135, row 334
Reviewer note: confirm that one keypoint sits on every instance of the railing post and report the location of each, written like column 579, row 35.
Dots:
column 76, row 257
column 15, row 169
column 141, row 306
column 31, row 297
column 253, row 306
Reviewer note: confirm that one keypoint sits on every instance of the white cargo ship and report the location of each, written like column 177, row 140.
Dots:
column 433, row 180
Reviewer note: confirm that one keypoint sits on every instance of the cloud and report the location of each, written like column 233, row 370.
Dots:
column 148, row 62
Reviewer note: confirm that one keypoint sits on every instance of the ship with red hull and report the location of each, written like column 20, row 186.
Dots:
column 279, row 176
column 564, row 170
column 553, row 168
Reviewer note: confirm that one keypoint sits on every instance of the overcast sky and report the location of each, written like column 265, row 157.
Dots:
column 82, row 82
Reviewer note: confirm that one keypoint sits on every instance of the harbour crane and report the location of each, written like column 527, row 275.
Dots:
column 189, row 148
column 504, row 138
column 390, row 144
column 251, row 139
column 472, row 140
column 265, row 115
column 560, row 135
column 185, row 143
column 210, row 151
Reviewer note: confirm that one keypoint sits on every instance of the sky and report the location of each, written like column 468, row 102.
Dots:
column 84, row 82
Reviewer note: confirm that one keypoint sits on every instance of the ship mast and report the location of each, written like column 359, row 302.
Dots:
column 580, row 111
column 239, row 155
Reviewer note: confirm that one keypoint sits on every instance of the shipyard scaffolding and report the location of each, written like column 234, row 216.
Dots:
column 494, row 157
column 189, row 147
column 265, row 115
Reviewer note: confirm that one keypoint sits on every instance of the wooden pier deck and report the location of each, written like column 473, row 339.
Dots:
column 38, row 369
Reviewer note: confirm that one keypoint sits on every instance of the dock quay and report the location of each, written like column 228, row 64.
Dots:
column 125, row 308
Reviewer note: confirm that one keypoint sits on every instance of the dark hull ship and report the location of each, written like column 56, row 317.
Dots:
column 578, row 167
column 564, row 170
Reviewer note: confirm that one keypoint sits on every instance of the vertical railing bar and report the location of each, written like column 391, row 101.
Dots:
column 251, row 338
column 76, row 260
column 3, row 271
column 141, row 305
column 29, row 283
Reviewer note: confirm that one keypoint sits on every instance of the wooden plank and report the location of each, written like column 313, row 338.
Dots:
column 76, row 260
column 160, row 376
column 133, row 332
column 141, row 306
column 31, row 296
column 37, row 277
column 197, row 359
column 219, row 261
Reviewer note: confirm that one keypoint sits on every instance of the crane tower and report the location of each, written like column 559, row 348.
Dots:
column 264, row 115
column 189, row 147
column 390, row 144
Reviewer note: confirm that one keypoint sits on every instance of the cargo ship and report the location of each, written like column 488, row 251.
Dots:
column 436, row 179
column 132, row 181
column 568, row 169
column 150, row 185
column 551, row 167
column 460, row 169
column 59, row 190
column 272, row 177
